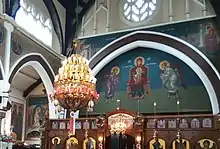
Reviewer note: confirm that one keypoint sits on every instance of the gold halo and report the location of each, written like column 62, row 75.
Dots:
column 72, row 139
column 57, row 139
column 162, row 63
column 139, row 57
column 202, row 145
column 117, row 68
column 86, row 140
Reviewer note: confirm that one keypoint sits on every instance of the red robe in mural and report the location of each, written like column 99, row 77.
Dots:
column 139, row 81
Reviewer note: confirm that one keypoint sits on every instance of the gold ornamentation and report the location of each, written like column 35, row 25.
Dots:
column 58, row 140
column 120, row 122
column 161, row 141
column 201, row 143
column 74, row 85
column 93, row 142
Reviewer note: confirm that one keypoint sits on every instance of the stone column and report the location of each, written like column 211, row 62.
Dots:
column 6, row 86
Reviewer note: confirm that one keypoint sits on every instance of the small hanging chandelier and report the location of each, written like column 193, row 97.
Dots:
column 74, row 85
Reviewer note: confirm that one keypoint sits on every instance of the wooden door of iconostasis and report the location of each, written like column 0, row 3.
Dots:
column 119, row 141
column 121, row 132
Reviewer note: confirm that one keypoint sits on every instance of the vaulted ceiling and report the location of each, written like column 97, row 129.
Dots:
column 72, row 11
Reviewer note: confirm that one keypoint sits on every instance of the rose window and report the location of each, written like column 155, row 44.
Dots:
column 139, row 10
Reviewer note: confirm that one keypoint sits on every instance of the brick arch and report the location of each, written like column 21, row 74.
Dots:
column 164, row 42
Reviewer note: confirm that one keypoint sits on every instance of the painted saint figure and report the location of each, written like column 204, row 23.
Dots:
column 72, row 143
column 56, row 143
column 170, row 77
column 207, row 144
column 112, row 82
column 37, row 117
column 90, row 144
column 211, row 40
column 139, row 82
column 157, row 144
column 180, row 143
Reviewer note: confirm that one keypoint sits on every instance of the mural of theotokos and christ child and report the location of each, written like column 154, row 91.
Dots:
column 148, row 75
column 138, row 85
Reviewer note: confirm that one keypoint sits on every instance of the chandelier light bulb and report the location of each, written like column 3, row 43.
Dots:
column 178, row 102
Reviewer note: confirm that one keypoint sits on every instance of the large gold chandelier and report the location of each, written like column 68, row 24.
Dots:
column 74, row 85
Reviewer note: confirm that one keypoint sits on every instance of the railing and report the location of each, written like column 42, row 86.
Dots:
column 6, row 145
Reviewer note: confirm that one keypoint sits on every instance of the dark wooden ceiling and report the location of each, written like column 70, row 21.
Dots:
column 71, row 12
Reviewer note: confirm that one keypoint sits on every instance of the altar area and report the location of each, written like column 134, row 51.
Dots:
column 123, row 129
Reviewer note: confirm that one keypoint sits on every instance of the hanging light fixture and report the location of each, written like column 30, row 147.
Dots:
column 74, row 85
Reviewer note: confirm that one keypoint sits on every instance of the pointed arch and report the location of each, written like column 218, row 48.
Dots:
column 194, row 58
column 1, row 71
column 40, row 64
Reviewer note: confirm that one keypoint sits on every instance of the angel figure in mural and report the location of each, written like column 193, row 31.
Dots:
column 211, row 40
column 170, row 77
column 37, row 112
column 139, row 83
column 112, row 82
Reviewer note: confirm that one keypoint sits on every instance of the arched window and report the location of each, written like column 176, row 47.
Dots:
column 34, row 22
column 139, row 10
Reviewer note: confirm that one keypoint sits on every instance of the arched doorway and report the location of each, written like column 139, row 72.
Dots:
column 42, row 67
column 116, row 141
column 197, row 61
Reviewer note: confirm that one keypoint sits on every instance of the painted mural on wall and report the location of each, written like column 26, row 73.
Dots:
column 37, row 112
column 17, row 115
column 16, row 45
column 200, row 33
column 150, row 76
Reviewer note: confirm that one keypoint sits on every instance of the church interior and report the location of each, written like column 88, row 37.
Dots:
column 109, row 74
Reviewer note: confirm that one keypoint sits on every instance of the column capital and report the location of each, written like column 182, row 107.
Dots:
column 8, row 26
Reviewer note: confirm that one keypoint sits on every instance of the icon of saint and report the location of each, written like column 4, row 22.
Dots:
column 180, row 143
column 157, row 144
column 90, row 144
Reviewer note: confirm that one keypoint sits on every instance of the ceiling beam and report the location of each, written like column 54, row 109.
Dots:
column 215, row 5
column 23, row 73
column 32, row 87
